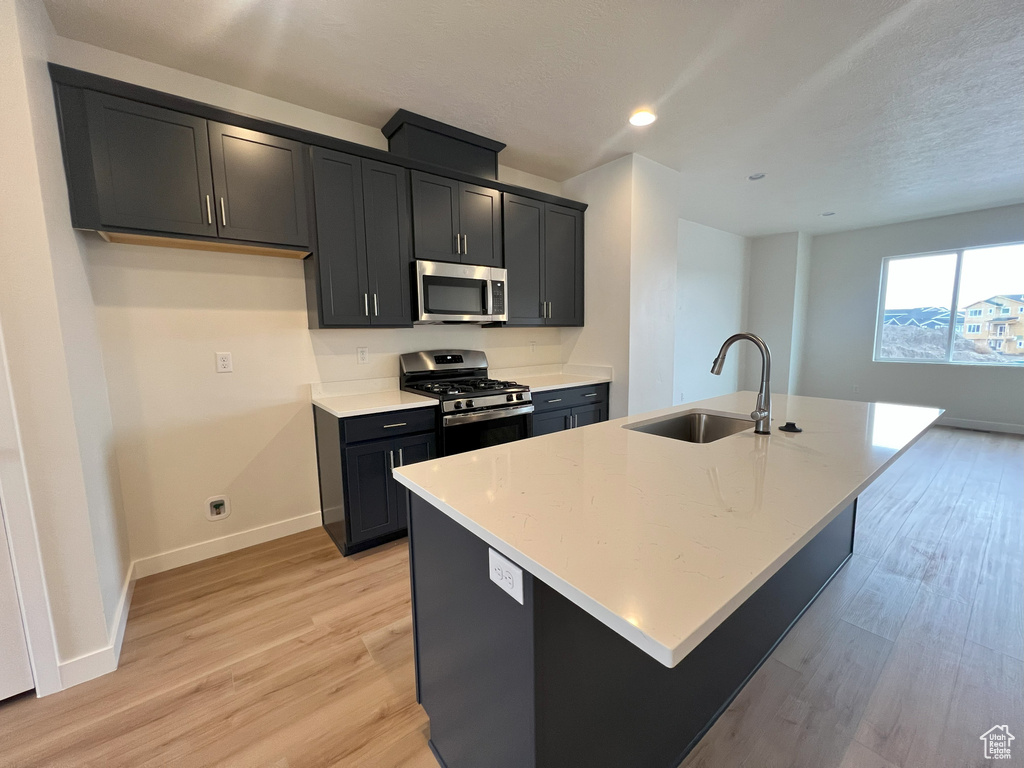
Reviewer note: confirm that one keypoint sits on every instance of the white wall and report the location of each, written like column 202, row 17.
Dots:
column 184, row 433
column 608, row 190
column 711, row 299
column 654, row 245
column 777, row 301
column 842, row 309
column 53, row 355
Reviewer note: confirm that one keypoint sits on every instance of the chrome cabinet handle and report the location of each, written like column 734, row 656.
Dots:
column 575, row 420
column 592, row 394
column 209, row 211
column 223, row 213
column 366, row 304
column 376, row 309
column 391, row 454
column 465, row 245
column 458, row 244
column 392, row 426
column 556, row 400
column 401, row 459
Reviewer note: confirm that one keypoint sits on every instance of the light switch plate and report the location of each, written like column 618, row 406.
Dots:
column 506, row 574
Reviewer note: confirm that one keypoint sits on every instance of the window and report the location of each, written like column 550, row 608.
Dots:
column 915, row 323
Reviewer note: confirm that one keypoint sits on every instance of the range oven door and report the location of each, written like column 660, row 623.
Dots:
column 459, row 293
column 461, row 432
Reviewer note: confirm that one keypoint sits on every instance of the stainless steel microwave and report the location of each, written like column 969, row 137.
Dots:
column 460, row 293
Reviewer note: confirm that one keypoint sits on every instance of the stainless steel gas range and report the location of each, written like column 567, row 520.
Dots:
column 476, row 411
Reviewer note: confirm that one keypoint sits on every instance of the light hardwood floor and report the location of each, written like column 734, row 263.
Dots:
column 287, row 655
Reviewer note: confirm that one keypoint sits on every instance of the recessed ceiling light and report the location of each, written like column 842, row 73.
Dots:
column 755, row 177
column 642, row 117
column 829, row 213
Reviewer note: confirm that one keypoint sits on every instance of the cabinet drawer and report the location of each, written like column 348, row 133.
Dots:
column 391, row 424
column 570, row 397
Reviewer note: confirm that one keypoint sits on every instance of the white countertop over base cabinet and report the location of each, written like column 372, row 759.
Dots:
column 659, row 539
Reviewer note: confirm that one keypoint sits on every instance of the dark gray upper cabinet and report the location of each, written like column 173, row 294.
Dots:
column 151, row 166
column 455, row 221
column 388, row 241
column 363, row 241
column 435, row 218
column 563, row 265
column 544, row 258
column 524, row 260
column 341, row 238
column 260, row 183
column 480, row 225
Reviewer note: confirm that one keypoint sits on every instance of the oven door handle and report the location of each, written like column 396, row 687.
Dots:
column 454, row 419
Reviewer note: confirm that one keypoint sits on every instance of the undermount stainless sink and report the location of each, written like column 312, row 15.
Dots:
column 693, row 426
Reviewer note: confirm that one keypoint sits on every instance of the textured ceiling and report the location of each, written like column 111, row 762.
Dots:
column 879, row 110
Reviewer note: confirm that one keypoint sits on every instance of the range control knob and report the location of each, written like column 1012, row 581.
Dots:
column 519, row 396
column 469, row 403
column 458, row 405
column 510, row 398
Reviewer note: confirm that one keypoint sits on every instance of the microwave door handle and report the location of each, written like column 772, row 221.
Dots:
column 489, row 287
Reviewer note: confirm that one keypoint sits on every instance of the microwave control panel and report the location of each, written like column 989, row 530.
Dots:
column 498, row 297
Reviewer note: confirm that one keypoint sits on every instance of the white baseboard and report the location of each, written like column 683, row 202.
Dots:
column 87, row 667
column 121, row 618
column 105, row 659
column 985, row 426
column 204, row 550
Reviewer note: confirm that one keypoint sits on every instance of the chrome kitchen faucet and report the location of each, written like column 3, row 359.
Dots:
column 762, row 414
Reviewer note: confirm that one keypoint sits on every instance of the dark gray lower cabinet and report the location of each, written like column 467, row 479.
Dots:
column 552, row 421
column 362, row 504
column 560, row 409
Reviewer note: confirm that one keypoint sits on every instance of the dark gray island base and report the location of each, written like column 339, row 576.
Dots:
column 546, row 685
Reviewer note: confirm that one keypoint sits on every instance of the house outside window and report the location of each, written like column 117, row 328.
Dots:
column 915, row 322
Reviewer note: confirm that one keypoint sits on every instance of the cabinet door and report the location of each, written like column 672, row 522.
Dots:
column 589, row 414
column 563, row 264
column 341, row 240
column 435, row 217
column 480, row 225
column 368, row 485
column 152, row 167
column 524, row 259
column 552, row 421
column 388, row 242
column 410, row 450
column 260, row 183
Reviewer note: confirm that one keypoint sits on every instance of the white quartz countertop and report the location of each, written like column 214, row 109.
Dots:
column 660, row 539
column 545, row 382
column 344, row 406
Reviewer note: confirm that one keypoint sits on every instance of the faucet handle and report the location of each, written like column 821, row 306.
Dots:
column 758, row 415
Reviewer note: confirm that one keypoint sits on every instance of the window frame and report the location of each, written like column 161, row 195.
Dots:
column 951, row 335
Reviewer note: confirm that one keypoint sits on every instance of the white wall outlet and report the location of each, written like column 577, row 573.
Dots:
column 218, row 507
column 506, row 574
column 533, row 346
column 362, row 355
column 224, row 364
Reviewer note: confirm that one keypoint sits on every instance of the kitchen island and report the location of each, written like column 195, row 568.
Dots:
column 598, row 596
